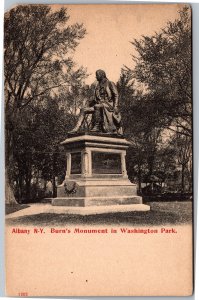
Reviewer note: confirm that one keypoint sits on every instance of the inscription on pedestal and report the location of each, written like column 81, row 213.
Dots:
column 96, row 174
column 76, row 163
column 106, row 163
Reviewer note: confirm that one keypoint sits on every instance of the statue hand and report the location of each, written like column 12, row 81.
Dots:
column 83, row 109
column 116, row 110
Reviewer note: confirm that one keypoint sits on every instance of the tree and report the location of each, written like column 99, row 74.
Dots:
column 141, row 125
column 163, row 64
column 156, row 97
column 37, row 62
column 37, row 152
column 183, row 145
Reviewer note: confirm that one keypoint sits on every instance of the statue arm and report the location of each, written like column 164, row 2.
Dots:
column 115, row 94
column 97, row 95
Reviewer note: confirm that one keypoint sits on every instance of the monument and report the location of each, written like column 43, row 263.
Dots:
column 96, row 179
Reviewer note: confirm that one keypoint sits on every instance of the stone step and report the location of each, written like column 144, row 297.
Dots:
column 46, row 200
column 96, row 210
column 96, row 201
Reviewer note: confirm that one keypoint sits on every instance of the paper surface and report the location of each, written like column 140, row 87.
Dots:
column 111, row 264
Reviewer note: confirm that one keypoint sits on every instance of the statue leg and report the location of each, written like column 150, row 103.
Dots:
column 97, row 119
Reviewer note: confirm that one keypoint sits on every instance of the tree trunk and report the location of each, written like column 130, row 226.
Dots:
column 139, row 179
column 27, row 190
column 53, row 181
column 182, row 178
column 150, row 161
column 54, row 187
column 190, row 179
column 9, row 195
column 20, row 188
column 28, row 182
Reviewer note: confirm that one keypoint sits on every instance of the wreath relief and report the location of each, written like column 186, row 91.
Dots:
column 70, row 187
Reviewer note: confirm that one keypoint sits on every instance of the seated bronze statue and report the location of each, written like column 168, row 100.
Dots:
column 104, row 109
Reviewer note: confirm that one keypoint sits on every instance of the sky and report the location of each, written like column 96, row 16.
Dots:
column 111, row 28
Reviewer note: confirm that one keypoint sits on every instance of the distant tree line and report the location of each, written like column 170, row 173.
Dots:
column 44, row 91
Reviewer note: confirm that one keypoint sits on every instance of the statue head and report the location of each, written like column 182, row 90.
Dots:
column 100, row 74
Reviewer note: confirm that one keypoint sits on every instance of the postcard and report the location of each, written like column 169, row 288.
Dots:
column 98, row 139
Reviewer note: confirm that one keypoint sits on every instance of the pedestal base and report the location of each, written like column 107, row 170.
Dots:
column 96, row 192
column 97, row 210
column 96, row 201
column 96, row 177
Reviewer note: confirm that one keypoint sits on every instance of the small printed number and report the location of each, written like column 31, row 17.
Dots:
column 23, row 294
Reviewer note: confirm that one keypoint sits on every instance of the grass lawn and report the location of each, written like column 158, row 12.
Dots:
column 11, row 208
column 161, row 213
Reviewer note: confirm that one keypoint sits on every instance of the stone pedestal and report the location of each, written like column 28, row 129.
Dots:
column 96, row 173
